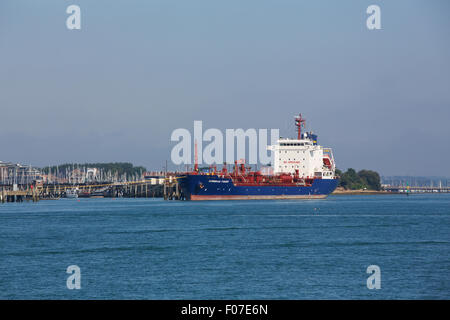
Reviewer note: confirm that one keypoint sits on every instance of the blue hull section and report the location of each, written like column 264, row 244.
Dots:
column 212, row 187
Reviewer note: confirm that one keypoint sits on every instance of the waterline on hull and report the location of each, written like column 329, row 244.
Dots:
column 255, row 197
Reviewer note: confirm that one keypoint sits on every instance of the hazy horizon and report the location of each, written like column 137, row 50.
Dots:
column 137, row 70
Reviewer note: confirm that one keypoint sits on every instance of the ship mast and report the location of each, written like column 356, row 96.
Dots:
column 195, row 157
column 299, row 122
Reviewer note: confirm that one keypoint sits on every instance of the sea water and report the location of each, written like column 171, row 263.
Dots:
column 271, row 249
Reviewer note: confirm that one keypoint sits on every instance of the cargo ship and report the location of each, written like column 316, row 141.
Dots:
column 300, row 169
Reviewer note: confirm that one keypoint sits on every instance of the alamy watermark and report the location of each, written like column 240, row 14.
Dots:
column 73, row 22
column 74, row 280
column 373, row 22
column 235, row 143
column 374, row 280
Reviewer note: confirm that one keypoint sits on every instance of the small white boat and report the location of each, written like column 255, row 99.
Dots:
column 71, row 193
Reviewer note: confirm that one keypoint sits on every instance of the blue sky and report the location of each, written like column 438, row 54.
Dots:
column 137, row 70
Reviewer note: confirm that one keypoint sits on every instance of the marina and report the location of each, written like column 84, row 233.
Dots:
column 168, row 190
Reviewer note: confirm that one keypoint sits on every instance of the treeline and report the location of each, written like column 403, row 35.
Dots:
column 119, row 168
column 359, row 180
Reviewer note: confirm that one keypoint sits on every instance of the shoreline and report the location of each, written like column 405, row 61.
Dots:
column 363, row 192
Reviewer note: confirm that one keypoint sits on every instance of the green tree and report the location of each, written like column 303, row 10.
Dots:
column 359, row 180
column 371, row 179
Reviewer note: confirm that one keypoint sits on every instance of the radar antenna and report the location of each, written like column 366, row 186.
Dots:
column 299, row 123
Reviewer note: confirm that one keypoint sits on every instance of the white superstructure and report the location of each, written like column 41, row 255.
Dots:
column 303, row 157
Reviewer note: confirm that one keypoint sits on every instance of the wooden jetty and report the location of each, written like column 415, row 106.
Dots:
column 166, row 188
column 19, row 195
